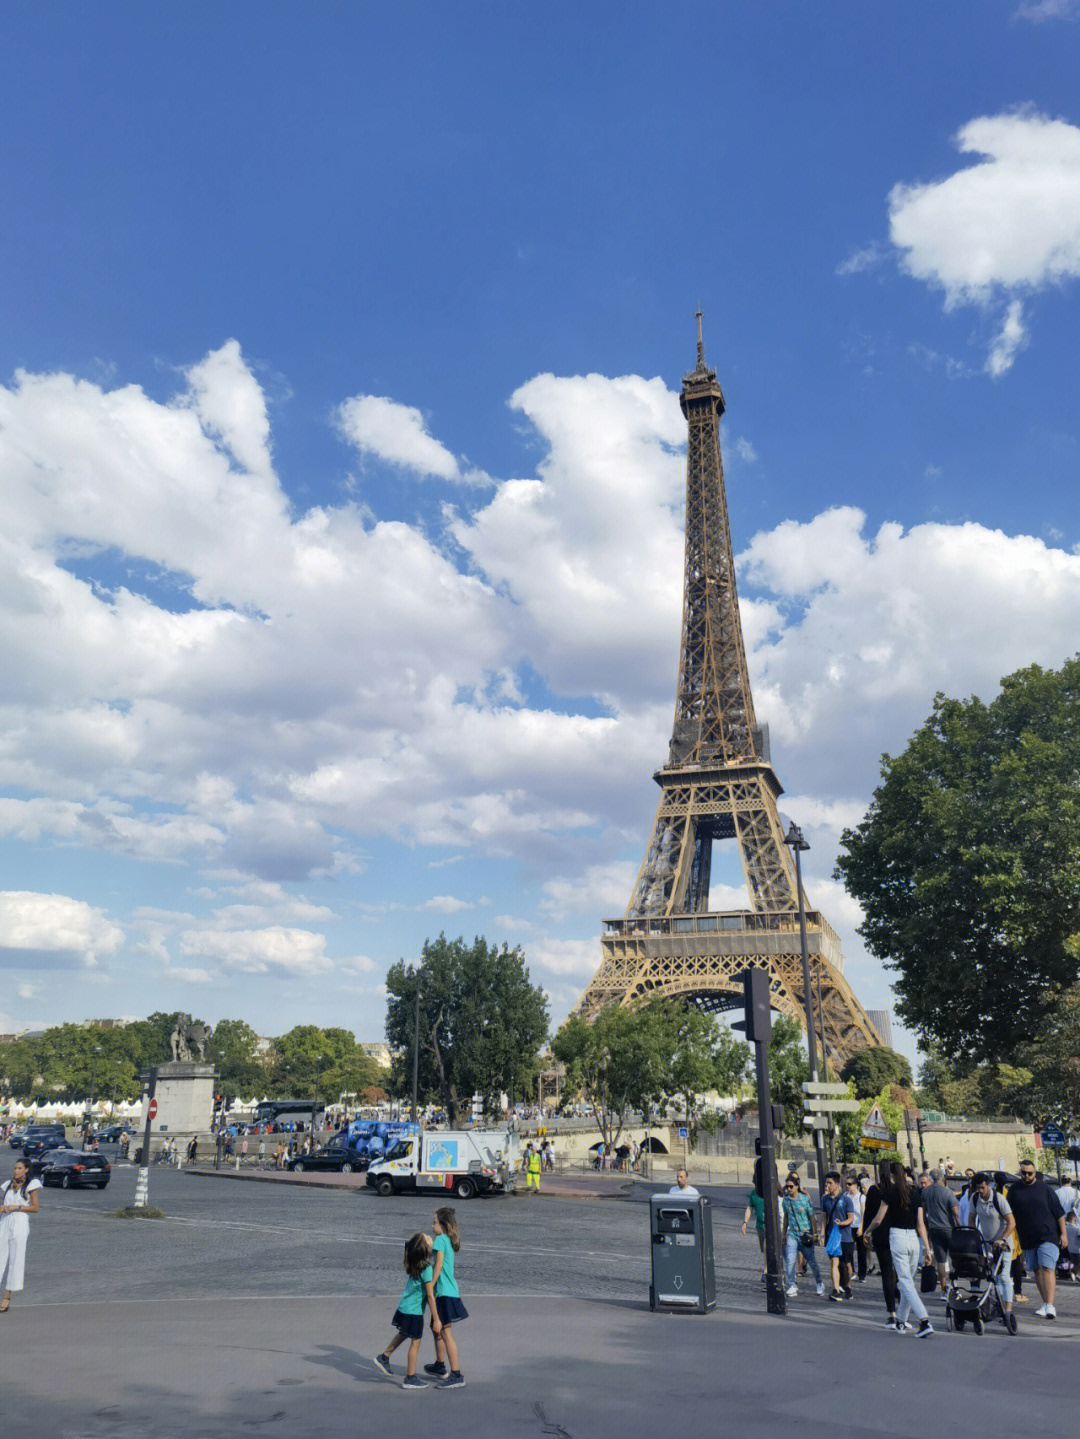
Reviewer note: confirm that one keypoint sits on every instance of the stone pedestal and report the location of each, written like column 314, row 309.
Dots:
column 185, row 1102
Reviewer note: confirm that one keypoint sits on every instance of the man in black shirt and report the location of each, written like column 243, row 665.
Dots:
column 1040, row 1225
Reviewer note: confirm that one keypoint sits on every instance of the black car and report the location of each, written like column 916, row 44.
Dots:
column 22, row 1137
column 111, row 1135
column 34, row 1150
column 335, row 1156
column 16, row 1139
column 71, row 1168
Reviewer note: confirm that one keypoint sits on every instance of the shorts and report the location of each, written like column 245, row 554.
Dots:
column 939, row 1243
column 1043, row 1256
column 409, row 1326
column 450, row 1309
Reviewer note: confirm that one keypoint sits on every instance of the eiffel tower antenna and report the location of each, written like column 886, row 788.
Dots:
column 718, row 783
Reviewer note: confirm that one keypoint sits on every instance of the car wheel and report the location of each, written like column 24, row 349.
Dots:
column 346, row 1168
column 297, row 1167
column 103, row 1184
column 385, row 1186
column 65, row 1181
column 464, row 1189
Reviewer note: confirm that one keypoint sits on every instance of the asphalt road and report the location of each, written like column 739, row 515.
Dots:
column 254, row 1306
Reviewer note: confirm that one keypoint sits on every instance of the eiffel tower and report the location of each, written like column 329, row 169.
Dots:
column 719, row 783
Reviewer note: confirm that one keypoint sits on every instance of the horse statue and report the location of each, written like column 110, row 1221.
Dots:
column 189, row 1041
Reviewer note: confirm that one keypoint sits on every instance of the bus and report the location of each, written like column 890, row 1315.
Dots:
column 287, row 1113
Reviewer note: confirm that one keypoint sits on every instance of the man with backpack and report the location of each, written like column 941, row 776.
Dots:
column 993, row 1218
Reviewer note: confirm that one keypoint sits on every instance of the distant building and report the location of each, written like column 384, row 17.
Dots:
column 379, row 1052
column 881, row 1019
column 124, row 1020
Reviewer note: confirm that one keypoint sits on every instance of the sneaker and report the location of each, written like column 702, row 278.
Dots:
column 847, row 1292
column 1051, row 1312
column 793, row 1292
column 889, row 1323
column 820, row 1290
column 902, row 1327
column 455, row 1380
column 836, row 1297
column 413, row 1381
column 925, row 1328
column 439, row 1369
column 1041, row 1313
column 382, row 1364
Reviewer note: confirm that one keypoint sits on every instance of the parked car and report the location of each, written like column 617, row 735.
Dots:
column 74, row 1168
column 335, row 1156
column 34, row 1150
column 16, row 1139
column 36, row 1131
column 112, row 1132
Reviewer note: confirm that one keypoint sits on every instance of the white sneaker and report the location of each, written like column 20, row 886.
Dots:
column 820, row 1290
column 1043, row 1311
column 792, row 1293
column 1049, row 1312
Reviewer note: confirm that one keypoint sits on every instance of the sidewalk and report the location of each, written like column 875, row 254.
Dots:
column 552, row 1186
column 201, row 1368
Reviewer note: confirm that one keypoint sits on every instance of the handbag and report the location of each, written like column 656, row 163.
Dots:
column 928, row 1279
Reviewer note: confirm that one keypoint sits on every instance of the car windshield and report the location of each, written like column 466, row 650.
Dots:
column 400, row 1149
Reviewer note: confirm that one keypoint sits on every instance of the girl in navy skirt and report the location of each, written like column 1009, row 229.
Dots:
column 448, row 1303
column 408, row 1320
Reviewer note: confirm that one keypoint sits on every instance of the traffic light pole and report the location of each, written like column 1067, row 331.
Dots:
column 758, row 1030
column 798, row 844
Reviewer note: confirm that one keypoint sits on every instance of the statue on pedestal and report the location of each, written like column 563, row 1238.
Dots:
column 189, row 1042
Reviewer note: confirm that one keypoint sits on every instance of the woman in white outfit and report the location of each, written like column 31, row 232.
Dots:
column 18, row 1200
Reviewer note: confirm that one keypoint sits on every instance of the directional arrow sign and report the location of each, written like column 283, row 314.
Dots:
column 816, row 1121
column 815, row 1086
column 841, row 1106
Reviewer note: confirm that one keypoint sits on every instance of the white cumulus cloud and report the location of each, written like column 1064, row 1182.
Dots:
column 1004, row 227
column 397, row 433
column 54, row 931
column 275, row 950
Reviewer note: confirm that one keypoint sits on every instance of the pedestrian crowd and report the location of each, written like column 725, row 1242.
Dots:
column 904, row 1229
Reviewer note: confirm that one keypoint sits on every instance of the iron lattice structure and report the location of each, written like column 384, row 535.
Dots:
column 718, row 783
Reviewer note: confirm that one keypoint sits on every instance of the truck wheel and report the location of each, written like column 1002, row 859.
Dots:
column 384, row 1186
column 464, row 1189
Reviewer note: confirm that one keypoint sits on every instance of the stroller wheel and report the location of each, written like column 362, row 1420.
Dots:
column 977, row 1324
column 1010, row 1323
column 950, row 1322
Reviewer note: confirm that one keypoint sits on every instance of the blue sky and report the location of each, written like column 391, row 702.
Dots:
column 339, row 533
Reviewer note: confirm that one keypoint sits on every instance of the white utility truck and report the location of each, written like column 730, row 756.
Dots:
column 462, row 1162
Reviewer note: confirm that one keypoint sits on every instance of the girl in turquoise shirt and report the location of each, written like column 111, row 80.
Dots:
column 408, row 1320
column 448, row 1303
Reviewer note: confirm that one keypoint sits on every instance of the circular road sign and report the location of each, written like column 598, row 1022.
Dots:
column 152, row 1112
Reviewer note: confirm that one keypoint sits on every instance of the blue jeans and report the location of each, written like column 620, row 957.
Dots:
column 905, row 1247
column 792, row 1247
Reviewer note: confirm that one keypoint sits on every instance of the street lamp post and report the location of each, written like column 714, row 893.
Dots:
column 795, row 840
column 416, row 1048
column 93, row 1086
column 315, row 1106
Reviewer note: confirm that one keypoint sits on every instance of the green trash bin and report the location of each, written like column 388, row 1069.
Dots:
column 683, row 1272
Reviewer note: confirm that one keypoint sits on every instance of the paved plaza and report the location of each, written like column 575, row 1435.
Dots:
column 256, row 1307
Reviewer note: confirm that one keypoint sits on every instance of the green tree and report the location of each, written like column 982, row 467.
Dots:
column 620, row 1062
column 235, row 1056
column 1053, row 1092
column 876, row 1068
column 934, row 1073
column 788, row 1070
column 967, row 866
column 482, row 1021
column 850, row 1125
column 322, row 1063
column 696, row 1053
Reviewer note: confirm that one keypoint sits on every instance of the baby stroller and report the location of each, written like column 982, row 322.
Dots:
column 972, row 1294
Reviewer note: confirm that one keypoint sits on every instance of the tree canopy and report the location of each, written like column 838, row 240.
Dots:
column 482, row 1021
column 967, row 866
column 876, row 1068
